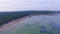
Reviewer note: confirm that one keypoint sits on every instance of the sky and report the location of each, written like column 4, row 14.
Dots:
column 22, row 5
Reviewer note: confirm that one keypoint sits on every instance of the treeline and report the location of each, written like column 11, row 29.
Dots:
column 6, row 17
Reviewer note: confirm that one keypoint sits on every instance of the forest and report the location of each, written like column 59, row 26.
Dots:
column 6, row 17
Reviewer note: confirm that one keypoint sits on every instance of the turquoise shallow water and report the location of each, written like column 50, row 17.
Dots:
column 37, row 25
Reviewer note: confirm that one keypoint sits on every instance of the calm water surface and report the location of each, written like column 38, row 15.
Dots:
column 43, row 24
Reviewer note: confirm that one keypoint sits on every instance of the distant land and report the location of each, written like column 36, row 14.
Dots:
column 6, row 17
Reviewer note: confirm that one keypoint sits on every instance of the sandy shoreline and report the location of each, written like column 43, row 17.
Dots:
column 5, row 26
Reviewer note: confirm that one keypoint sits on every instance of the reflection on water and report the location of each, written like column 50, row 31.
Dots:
column 42, row 24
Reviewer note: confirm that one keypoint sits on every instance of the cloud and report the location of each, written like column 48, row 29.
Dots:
column 18, row 5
